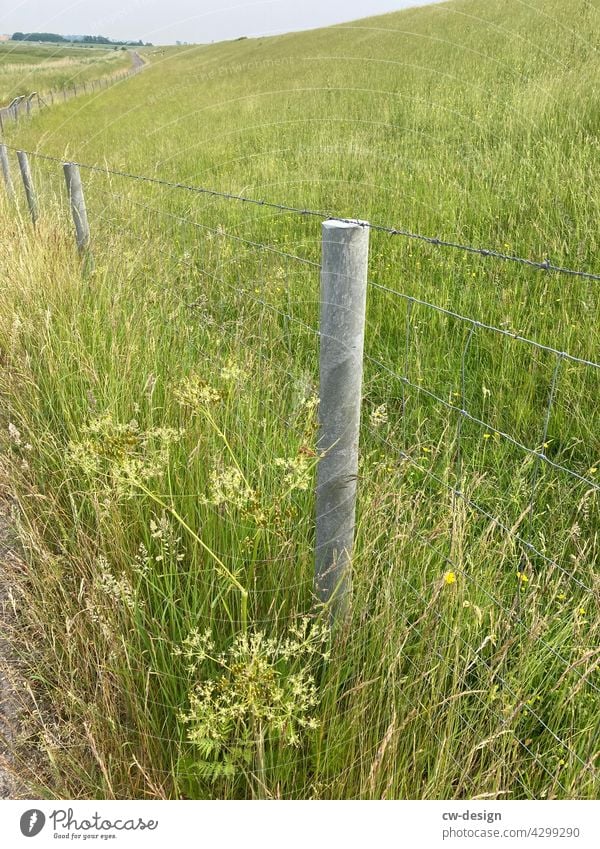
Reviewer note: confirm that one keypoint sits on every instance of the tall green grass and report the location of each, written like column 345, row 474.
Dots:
column 160, row 426
column 27, row 67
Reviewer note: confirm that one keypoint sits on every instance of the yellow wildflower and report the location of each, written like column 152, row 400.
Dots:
column 450, row 578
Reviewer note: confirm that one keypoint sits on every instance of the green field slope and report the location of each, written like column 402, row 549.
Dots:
column 159, row 423
column 44, row 67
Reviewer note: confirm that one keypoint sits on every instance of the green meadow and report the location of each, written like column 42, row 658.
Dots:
column 51, row 67
column 159, row 419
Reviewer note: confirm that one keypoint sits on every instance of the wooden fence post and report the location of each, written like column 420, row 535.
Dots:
column 342, row 329
column 4, row 163
column 28, row 185
column 78, row 210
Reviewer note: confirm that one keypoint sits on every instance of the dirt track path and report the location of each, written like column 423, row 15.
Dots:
column 7, row 708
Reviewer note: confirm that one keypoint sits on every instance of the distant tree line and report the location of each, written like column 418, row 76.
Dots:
column 85, row 39
column 36, row 36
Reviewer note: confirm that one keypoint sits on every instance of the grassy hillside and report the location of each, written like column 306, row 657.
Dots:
column 160, row 426
column 36, row 67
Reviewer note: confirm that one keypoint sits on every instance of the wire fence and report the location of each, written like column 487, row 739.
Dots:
column 470, row 481
column 542, row 265
column 23, row 106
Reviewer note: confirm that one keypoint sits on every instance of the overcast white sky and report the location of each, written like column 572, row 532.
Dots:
column 165, row 21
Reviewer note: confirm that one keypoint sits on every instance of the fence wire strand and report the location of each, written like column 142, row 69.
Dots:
column 544, row 265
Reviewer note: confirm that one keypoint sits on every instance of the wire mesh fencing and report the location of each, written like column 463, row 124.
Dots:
column 477, row 509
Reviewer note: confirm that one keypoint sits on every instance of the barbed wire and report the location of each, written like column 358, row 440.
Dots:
column 304, row 260
column 456, row 492
column 538, row 455
column 483, row 326
column 436, row 241
column 474, row 323
column 217, row 231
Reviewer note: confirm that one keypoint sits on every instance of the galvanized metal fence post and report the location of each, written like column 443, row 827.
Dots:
column 345, row 249
column 28, row 185
column 78, row 210
column 4, row 163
